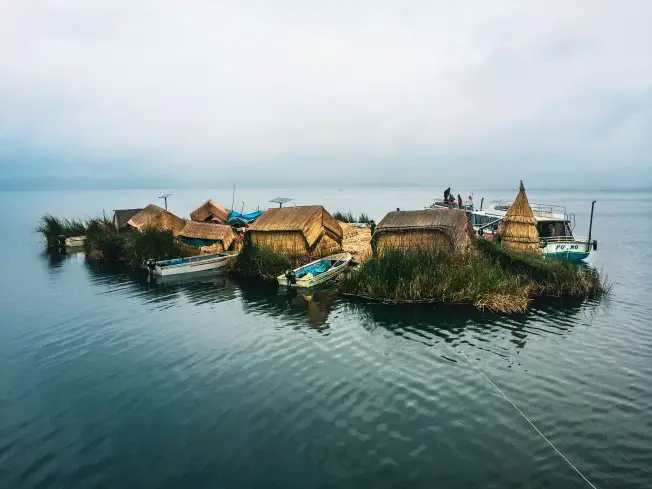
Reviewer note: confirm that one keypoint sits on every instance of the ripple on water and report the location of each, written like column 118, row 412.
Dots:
column 200, row 378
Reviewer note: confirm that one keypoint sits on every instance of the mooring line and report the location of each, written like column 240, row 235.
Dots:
column 528, row 420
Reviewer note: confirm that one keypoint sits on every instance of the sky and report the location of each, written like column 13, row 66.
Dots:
column 182, row 93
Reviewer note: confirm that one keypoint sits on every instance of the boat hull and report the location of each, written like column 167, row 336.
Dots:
column 75, row 242
column 205, row 265
column 571, row 251
column 323, row 277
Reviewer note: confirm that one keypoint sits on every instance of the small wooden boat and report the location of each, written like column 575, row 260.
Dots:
column 75, row 241
column 201, row 263
column 316, row 272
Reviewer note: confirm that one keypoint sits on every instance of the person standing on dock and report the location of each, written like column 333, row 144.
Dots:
column 459, row 201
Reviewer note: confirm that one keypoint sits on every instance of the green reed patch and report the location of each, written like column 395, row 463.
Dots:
column 51, row 227
column 485, row 277
column 260, row 263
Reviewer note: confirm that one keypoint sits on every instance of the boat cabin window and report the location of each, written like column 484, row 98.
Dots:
column 481, row 220
column 552, row 229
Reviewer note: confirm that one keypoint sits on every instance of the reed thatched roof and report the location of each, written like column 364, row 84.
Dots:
column 310, row 220
column 209, row 210
column 121, row 217
column 155, row 217
column 207, row 230
column 451, row 222
column 518, row 229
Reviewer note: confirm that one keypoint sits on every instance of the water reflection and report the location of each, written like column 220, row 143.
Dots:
column 299, row 306
column 429, row 324
column 424, row 323
column 162, row 292
column 54, row 259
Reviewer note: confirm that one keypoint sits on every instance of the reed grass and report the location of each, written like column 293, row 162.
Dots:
column 419, row 276
column 51, row 227
column 364, row 218
column 151, row 243
column 254, row 262
column 104, row 242
column 350, row 218
column 548, row 277
column 488, row 278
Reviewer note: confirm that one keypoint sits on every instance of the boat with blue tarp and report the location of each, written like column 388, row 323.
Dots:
column 317, row 272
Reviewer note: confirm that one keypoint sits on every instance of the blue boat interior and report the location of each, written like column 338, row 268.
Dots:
column 319, row 267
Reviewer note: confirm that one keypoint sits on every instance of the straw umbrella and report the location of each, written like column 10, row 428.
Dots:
column 518, row 230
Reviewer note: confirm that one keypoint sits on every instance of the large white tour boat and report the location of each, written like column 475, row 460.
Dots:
column 554, row 224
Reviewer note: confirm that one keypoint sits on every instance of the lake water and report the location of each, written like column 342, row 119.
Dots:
column 107, row 380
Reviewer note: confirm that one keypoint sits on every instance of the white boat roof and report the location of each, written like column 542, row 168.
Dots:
column 542, row 212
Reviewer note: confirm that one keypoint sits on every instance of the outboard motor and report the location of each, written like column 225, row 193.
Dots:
column 151, row 266
column 61, row 243
column 291, row 277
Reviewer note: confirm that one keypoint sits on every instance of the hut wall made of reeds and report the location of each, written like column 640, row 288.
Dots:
column 210, row 211
column 208, row 237
column 432, row 230
column 155, row 217
column 121, row 218
column 518, row 229
column 300, row 230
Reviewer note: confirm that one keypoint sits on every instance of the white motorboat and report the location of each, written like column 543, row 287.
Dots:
column 554, row 224
column 201, row 263
column 75, row 242
column 316, row 272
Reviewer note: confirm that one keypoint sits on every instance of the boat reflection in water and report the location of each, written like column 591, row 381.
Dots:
column 296, row 305
column 427, row 324
column 163, row 292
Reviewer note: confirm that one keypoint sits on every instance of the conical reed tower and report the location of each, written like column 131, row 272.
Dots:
column 518, row 230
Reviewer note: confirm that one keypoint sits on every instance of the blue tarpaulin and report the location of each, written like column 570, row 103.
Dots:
column 316, row 268
column 235, row 218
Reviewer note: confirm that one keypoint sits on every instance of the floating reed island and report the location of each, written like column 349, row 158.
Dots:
column 136, row 235
column 434, row 255
column 286, row 238
column 417, row 256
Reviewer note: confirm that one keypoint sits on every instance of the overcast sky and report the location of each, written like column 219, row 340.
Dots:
column 285, row 91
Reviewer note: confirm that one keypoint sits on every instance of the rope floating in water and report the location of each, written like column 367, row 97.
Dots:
column 502, row 395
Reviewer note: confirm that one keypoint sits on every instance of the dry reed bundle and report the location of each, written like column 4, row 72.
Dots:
column 518, row 230
column 156, row 218
column 210, row 210
column 432, row 230
column 301, row 230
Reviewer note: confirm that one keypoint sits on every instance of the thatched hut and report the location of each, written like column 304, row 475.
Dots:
column 208, row 237
column 209, row 211
column 155, row 217
column 121, row 218
column 518, row 229
column 296, row 230
column 431, row 230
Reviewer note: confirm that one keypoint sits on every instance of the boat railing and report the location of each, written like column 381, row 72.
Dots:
column 538, row 209
column 490, row 226
column 437, row 204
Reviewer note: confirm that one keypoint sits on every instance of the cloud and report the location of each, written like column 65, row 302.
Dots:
column 301, row 89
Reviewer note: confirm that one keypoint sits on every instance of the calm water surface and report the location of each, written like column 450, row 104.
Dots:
column 107, row 380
